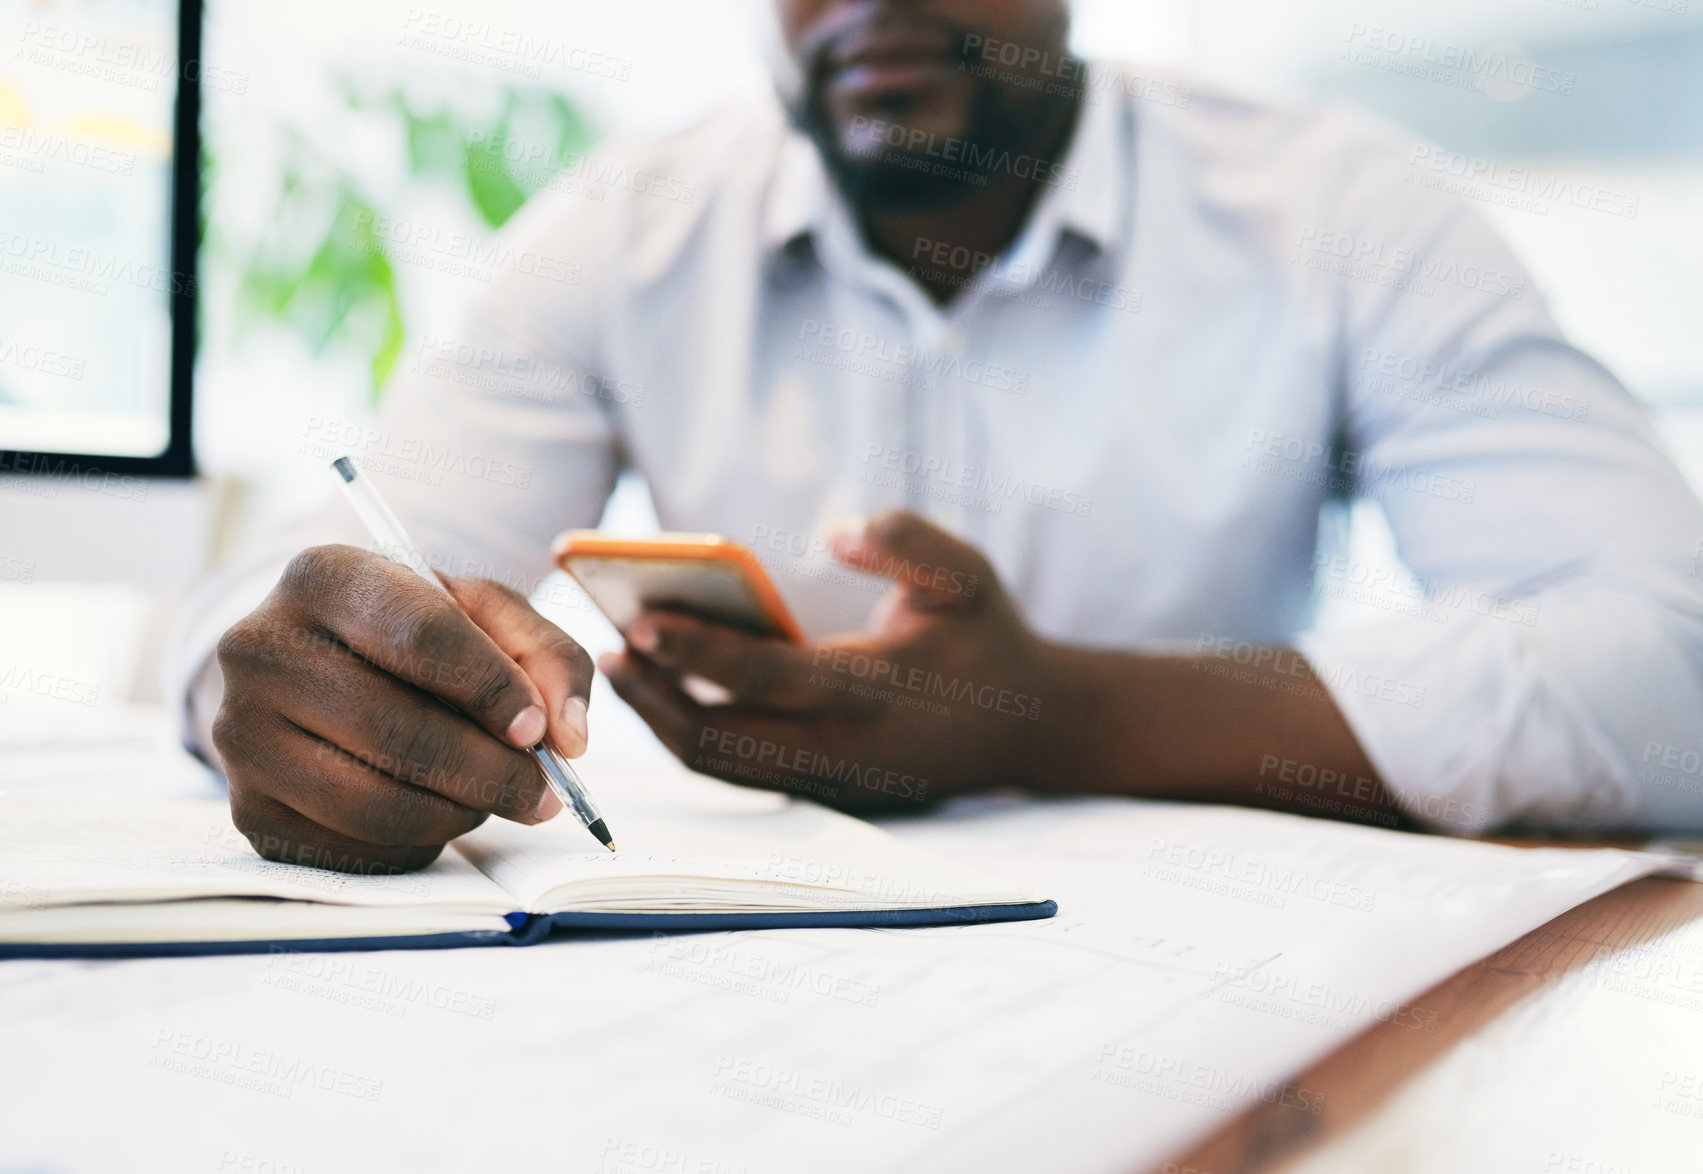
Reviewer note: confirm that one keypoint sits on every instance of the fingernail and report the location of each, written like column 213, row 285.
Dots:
column 528, row 726
column 573, row 716
column 549, row 807
column 609, row 664
column 643, row 636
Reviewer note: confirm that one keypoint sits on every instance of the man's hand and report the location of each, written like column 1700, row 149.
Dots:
column 941, row 695
column 368, row 720
column 950, row 691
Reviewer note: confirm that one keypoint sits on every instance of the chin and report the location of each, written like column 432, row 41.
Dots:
column 923, row 114
column 893, row 148
column 902, row 182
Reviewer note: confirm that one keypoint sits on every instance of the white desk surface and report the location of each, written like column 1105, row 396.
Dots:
column 1576, row 1050
column 1201, row 959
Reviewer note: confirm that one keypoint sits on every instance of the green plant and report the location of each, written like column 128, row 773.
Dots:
column 323, row 270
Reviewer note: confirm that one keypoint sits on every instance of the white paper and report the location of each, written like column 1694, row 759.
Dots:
column 97, row 753
column 1200, row 957
column 58, row 851
column 707, row 855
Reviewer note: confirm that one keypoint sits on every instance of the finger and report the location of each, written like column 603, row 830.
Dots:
column 758, row 670
column 547, row 655
column 936, row 571
column 411, row 736
column 280, row 833
column 276, row 830
column 750, row 748
column 695, row 733
column 412, row 630
column 709, row 745
column 655, row 696
column 359, row 801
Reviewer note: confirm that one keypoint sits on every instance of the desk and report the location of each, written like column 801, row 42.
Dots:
column 1576, row 1050
column 1202, row 955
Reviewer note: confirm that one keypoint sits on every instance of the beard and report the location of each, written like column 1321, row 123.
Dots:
column 999, row 122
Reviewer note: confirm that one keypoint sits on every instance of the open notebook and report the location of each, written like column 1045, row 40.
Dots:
column 174, row 877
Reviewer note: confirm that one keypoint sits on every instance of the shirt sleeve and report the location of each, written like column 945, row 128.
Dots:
column 1553, row 671
column 495, row 436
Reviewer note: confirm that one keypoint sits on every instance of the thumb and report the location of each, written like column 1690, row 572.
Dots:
column 934, row 570
column 558, row 666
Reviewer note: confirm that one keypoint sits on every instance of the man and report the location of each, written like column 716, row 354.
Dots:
column 1093, row 351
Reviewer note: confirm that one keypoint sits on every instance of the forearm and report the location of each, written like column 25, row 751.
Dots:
column 1263, row 734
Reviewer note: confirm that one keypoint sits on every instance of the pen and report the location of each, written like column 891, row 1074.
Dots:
column 395, row 545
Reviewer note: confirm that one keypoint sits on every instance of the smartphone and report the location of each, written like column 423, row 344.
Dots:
column 702, row 575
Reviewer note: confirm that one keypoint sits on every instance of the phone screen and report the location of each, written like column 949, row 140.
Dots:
column 709, row 589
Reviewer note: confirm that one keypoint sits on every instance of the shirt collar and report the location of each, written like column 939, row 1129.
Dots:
column 1092, row 193
column 801, row 194
column 1088, row 200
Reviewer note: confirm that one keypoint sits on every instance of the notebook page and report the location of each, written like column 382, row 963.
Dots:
column 790, row 855
column 67, row 851
column 236, row 919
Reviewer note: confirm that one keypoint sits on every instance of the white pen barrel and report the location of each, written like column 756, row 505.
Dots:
column 385, row 526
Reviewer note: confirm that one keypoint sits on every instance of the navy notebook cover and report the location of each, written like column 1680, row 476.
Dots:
column 530, row 929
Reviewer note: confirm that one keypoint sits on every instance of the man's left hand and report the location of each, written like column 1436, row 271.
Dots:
column 942, row 695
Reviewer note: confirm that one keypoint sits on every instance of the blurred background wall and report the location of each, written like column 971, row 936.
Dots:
column 1577, row 125
column 369, row 107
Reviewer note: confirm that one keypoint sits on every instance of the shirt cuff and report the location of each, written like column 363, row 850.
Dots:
column 1465, row 728
column 190, row 677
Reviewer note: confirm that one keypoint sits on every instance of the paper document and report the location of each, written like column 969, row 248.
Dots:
column 1200, row 958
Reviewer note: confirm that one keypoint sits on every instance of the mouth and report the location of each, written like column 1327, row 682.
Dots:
column 891, row 58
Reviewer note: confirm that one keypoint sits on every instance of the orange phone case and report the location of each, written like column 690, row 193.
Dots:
column 571, row 545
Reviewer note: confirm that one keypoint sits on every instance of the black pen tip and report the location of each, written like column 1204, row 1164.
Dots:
column 345, row 468
column 601, row 830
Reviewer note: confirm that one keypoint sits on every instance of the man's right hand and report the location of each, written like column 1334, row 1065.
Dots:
column 368, row 720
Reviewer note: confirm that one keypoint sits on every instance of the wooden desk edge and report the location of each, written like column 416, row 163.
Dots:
column 1357, row 1078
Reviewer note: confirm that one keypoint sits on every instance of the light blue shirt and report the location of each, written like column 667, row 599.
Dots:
column 1219, row 318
